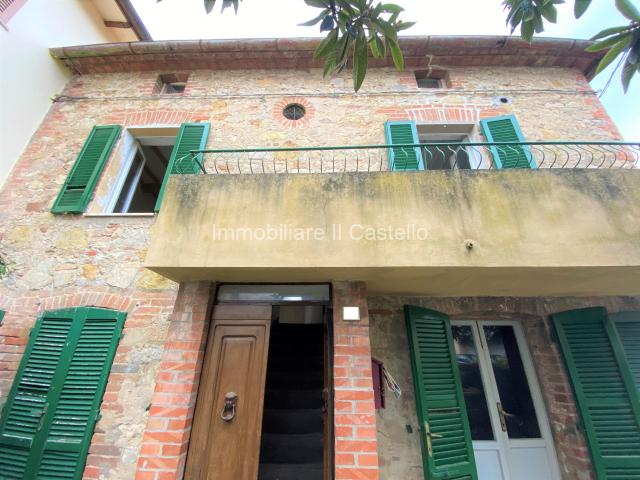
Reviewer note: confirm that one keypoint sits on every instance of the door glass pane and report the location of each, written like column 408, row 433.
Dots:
column 511, row 379
column 474, row 396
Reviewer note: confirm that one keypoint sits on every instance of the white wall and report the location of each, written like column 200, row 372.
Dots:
column 29, row 76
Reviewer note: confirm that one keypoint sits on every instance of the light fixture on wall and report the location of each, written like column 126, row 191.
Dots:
column 351, row 314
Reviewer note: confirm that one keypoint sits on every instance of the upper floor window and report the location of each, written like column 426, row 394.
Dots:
column 147, row 155
column 432, row 78
column 171, row 83
column 446, row 150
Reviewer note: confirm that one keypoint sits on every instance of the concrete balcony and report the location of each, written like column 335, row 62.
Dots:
column 521, row 232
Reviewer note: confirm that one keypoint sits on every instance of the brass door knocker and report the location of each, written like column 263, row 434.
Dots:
column 229, row 409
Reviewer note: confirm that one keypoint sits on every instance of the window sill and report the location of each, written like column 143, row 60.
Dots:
column 125, row 215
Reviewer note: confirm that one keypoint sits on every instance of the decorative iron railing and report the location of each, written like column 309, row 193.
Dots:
column 427, row 156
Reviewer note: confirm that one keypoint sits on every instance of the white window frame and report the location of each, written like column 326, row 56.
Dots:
column 476, row 160
column 131, row 144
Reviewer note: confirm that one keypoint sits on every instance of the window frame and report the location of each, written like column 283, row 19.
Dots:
column 130, row 146
column 476, row 159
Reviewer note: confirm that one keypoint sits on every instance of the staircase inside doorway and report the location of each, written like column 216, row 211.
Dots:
column 292, row 444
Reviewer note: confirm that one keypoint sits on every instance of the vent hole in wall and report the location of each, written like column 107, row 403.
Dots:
column 294, row 111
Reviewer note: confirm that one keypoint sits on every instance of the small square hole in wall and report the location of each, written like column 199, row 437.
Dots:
column 171, row 83
column 432, row 78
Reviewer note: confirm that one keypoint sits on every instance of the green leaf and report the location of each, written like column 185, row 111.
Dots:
column 375, row 51
column 611, row 55
column 329, row 63
column 226, row 3
column 604, row 44
column 392, row 8
column 549, row 12
column 341, row 50
column 360, row 62
column 317, row 3
column 626, row 8
column 404, row 25
column 627, row 73
column 209, row 4
column 396, row 54
column 609, row 31
column 315, row 20
column 326, row 45
column 580, row 7
column 526, row 30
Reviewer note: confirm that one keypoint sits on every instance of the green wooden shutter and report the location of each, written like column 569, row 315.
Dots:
column 604, row 391
column 446, row 437
column 53, row 405
column 403, row 158
column 1, row 316
column 628, row 328
column 192, row 136
column 506, row 129
column 78, row 187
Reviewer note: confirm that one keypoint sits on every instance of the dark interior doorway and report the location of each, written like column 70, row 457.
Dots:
column 296, row 412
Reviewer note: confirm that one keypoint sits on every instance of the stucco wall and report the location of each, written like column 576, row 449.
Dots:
column 29, row 75
column 399, row 452
column 58, row 261
column 463, row 232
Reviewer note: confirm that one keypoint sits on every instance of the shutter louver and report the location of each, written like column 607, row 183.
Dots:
column 604, row 391
column 628, row 327
column 403, row 158
column 506, row 129
column 192, row 136
column 78, row 187
column 446, row 437
column 71, row 356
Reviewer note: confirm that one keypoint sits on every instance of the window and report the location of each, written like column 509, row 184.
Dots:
column 171, row 83
column 448, row 151
column 432, row 78
column 147, row 159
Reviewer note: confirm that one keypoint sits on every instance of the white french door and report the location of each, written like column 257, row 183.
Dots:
column 509, row 427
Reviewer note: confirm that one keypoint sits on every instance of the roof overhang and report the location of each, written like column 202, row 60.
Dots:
column 297, row 53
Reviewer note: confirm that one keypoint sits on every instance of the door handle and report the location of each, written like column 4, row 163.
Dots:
column 229, row 408
column 503, row 416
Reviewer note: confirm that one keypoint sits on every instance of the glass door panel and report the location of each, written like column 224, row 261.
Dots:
column 518, row 411
column 472, row 386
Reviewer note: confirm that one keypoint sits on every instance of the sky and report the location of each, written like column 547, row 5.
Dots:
column 186, row 19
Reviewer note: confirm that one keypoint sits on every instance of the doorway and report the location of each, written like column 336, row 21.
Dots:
column 264, row 406
column 509, row 427
column 293, row 421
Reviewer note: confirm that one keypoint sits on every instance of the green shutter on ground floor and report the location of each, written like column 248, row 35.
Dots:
column 403, row 158
column 78, row 187
column 446, row 437
column 192, row 136
column 628, row 328
column 599, row 369
column 48, row 419
column 506, row 129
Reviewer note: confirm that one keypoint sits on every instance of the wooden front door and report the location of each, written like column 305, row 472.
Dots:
column 225, row 439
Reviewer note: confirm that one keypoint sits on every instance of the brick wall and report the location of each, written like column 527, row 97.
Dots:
column 356, row 447
column 166, row 438
column 398, row 433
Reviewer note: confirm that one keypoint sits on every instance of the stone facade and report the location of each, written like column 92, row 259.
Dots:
column 75, row 260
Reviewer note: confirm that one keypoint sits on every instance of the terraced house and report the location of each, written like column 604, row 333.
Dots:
column 219, row 265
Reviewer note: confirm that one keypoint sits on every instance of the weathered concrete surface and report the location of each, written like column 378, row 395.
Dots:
column 541, row 232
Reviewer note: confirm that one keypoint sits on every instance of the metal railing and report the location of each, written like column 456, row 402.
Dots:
column 424, row 156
